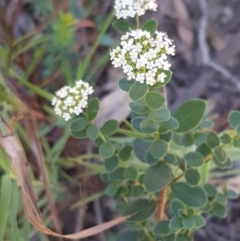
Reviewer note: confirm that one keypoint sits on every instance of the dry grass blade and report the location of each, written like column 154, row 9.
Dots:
column 30, row 126
column 18, row 160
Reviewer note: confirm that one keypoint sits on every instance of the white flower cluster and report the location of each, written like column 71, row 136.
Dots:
column 71, row 100
column 143, row 57
column 130, row 8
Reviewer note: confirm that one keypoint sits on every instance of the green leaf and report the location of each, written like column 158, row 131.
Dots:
column 131, row 235
column 194, row 159
column 187, row 140
column 79, row 124
column 150, row 26
column 207, row 208
column 199, row 221
column 137, row 191
column 5, row 198
column 210, row 190
column 212, row 139
column 166, row 137
column 157, row 177
column 154, row 100
column 192, row 176
column 143, row 208
column 79, row 134
column 138, row 107
column 125, row 84
column 203, row 149
column 231, row 194
column 219, row 210
column 188, row 223
column 111, row 189
column 191, row 196
column 92, row 115
column 104, row 177
column 238, row 129
column 170, row 125
column 162, row 228
column 148, row 126
column 199, row 138
column 236, row 143
column 169, row 237
column 92, row 109
column 110, row 128
column 125, row 153
column 137, row 91
column 176, row 223
column 161, row 115
column 107, row 150
column 175, row 206
column 225, row 138
column 150, row 159
column 92, row 132
column 130, row 173
column 190, row 114
column 159, row 148
column 221, row 198
column 222, row 165
column 122, row 26
column 170, row 159
column 137, row 121
column 111, row 164
column 220, row 154
column 206, row 124
column 234, row 119
column 117, row 174
column 139, row 148
column 166, row 80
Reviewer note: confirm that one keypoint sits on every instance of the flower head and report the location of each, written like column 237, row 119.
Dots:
column 71, row 100
column 143, row 57
column 130, row 8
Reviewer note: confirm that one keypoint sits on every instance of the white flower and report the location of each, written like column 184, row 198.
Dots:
column 71, row 100
column 130, row 8
column 143, row 57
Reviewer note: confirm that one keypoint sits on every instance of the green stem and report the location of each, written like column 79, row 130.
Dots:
column 130, row 133
column 137, row 22
column 148, row 234
column 83, row 66
column 39, row 91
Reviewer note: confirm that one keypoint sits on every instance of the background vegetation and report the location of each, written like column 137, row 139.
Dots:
column 49, row 43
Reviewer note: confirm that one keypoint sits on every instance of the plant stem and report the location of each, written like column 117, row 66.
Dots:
column 137, row 21
column 163, row 193
column 161, row 204
column 130, row 133
column 83, row 66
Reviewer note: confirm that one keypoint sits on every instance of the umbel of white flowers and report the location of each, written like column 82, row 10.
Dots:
column 69, row 101
column 143, row 57
column 130, row 8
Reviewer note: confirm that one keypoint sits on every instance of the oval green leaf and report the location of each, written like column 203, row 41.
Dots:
column 110, row 128
column 137, row 91
column 159, row 148
column 150, row 26
column 154, row 100
column 191, row 196
column 194, row 159
column 122, row 26
column 157, row 177
column 190, row 114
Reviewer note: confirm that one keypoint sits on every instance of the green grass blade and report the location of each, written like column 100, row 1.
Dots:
column 15, row 200
column 83, row 66
column 6, row 189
